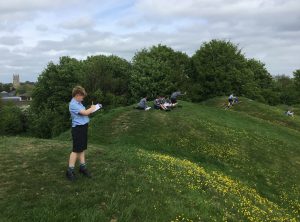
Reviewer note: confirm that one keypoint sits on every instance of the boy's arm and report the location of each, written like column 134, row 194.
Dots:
column 86, row 112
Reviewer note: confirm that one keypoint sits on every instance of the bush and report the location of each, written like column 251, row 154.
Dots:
column 287, row 92
column 220, row 68
column 12, row 120
column 49, row 114
column 49, row 123
column 158, row 71
column 106, row 79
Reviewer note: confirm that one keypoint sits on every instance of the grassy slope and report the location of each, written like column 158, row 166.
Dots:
column 262, row 111
column 198, row 162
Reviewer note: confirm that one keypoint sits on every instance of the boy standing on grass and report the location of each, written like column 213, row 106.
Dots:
column 80, row 122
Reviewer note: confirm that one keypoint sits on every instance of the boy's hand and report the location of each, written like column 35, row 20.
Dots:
column 93, row 107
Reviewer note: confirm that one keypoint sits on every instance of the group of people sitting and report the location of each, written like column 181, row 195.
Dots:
column 165, row 103
column 161, row 102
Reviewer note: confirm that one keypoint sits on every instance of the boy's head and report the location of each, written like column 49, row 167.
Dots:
column 79, row 93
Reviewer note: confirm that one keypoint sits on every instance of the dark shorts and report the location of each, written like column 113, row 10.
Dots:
column 230, row 101
column 173, row 100
column 79, row 136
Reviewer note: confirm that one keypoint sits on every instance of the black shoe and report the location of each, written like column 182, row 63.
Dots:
column 85, row 172
column 70, row 175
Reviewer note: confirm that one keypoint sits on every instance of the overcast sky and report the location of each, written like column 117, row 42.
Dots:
column 34, row 32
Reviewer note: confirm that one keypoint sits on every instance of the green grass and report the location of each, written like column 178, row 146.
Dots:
column 259, row 110
column 195, row 163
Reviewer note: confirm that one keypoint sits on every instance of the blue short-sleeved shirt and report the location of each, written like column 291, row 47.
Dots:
column 77, row 119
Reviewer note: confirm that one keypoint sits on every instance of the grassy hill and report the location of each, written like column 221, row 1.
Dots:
column 195, row 163
column 259, row 110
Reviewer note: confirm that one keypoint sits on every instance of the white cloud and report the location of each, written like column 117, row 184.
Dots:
column 11, row 40
column 32, row 32
column 41, row 28
column 31, row 5
column 80, row 23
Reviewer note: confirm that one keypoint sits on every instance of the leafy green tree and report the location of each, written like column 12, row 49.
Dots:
column 55, row 84
column 220, row 68
column 158, row 71
column 261, row 75
column 25, row 88
column 106, row 78
column 260, row 86
column 285, row 87
column 297, row 83
column 49, row 113
column 5, row 87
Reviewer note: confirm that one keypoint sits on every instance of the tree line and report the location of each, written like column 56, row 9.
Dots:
column 217, row 68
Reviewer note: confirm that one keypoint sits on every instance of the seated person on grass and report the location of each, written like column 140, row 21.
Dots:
column 230, row 100
column 167, row 102
column 142, row 105
column 158, row 104
column 289, row 113
column 174, row 97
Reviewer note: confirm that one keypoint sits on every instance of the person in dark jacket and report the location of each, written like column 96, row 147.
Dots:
column 174, row 96
column 143, row 104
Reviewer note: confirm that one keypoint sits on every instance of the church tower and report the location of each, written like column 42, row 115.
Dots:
column 16, row 81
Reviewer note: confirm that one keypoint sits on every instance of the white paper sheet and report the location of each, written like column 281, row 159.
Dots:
column 98, row 106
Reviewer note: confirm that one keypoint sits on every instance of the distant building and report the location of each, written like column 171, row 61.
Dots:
column 3, row 94
column 25, row 97
column 16, row 81
column 12, row 98
column 7, row 94
column 22, row 100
